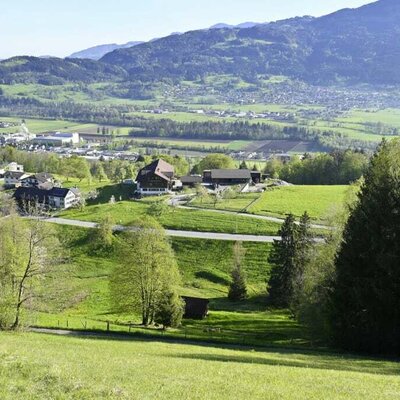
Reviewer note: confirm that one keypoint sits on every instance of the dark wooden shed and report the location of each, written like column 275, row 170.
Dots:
column 195, row 308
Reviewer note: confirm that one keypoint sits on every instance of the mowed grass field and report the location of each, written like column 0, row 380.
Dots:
column 36, row 367
column 318, row 201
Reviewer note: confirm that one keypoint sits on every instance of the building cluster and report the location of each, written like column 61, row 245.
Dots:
column 159, row 178
column 40, row 189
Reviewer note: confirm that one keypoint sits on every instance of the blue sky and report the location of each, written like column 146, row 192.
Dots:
column 60, row 27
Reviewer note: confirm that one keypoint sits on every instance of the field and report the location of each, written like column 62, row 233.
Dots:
column 129, row 212
column 205, row 268
column 38, row 366
column 318, row 201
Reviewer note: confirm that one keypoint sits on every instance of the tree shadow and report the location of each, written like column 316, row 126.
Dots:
column 212, row 277
column 323, row 362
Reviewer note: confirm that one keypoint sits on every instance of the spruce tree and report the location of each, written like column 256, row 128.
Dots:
column 366, row 314
column 282, row 258
column 238, row 288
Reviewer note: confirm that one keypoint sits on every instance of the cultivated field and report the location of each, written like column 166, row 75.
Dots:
column 34, row 366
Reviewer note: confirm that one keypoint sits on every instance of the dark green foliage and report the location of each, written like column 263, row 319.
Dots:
column 170, row 310
column 367, row 290
column 282, row 259
column 238, row 287
column 289, row 258
column 243, row 165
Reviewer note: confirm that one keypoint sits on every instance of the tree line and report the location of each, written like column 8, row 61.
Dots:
column 120, row 115
column 346, row 290
column 336, row 168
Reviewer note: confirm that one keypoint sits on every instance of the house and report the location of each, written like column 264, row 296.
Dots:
column 191, row 180
column 155, row 179
column 57, row 139
column 195, row 308
column 13, row 179
column 15, row 167
column 227, row 177
column 41, row 180
column 59, row 198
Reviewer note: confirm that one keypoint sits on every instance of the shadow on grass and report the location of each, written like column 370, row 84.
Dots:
column 322, row 359
column 254, row 303
column 324, row 362
column 212, row 277
column 119, row 191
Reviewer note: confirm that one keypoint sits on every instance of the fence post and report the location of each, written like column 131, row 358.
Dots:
column 67, row 324
column 108, row 326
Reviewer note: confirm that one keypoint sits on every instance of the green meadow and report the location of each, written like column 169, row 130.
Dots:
column 34, row 366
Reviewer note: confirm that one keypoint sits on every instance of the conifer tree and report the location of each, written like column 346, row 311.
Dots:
column 282, row 258
column 366, row 315
column 238, row 288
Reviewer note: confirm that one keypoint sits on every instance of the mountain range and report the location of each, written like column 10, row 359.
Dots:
column 96, row 52
column 350, row 46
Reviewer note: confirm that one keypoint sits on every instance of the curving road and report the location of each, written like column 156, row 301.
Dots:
column 174, row 233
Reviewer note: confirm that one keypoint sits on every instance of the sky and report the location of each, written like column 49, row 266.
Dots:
column 60, row 27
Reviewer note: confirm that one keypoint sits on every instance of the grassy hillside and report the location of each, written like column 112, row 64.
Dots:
column 205, row 268
column 129, row 212
column 34, row 366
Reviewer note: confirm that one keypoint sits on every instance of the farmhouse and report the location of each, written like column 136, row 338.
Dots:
column 227, row 177
column 13, row 179
column 59, row 198
column 155, row 178
column 39, row 180
column 195, row 308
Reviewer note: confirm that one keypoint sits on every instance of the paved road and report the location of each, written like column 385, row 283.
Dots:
column 173, row 233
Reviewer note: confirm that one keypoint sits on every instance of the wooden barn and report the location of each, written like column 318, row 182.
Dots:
column 195, row 308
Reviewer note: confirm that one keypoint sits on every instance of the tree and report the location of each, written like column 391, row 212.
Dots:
column 238, row 287
column 104, row 233
column 282, row 258
column 366, row 315
column 215, row 161
column 289, row 259
column 158, row 208
column 146, row 272
column 30, row 255
column 170, row 310
column 304, row 243
column 243, row 165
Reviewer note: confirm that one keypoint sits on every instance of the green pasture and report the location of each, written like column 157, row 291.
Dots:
column 35, row 366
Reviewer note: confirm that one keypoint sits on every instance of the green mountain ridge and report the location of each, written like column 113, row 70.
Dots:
column 348, row 47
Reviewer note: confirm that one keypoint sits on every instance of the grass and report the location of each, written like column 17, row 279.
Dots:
column 129, row 212
column 38, row 366
column 318, row 201
column 205, row 268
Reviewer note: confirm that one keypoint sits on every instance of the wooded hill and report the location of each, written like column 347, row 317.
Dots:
column 351, row 46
